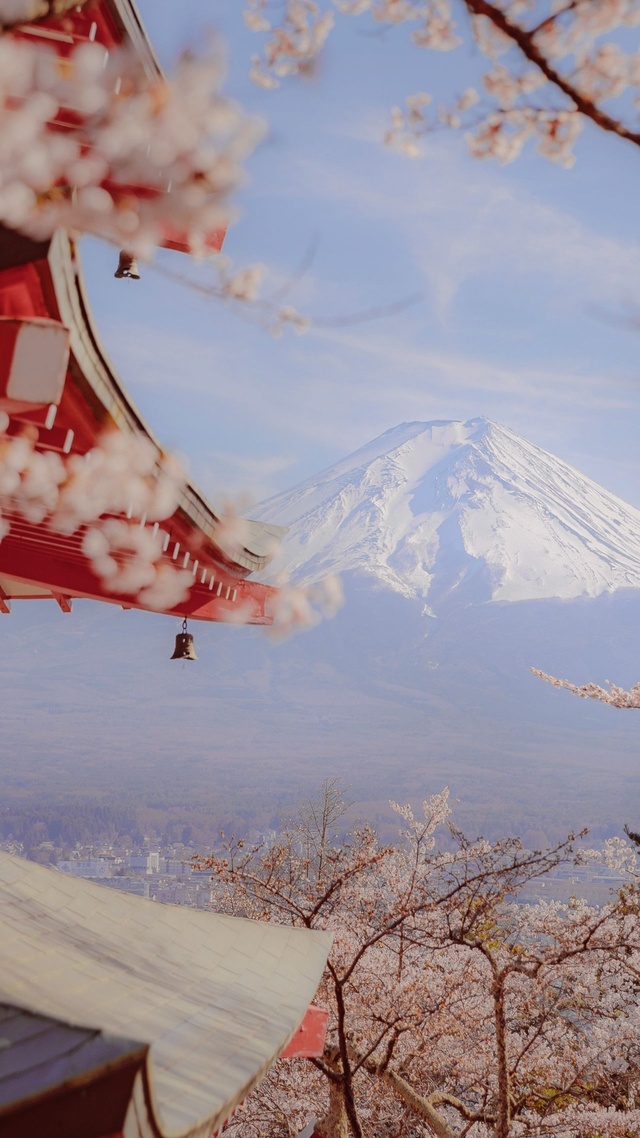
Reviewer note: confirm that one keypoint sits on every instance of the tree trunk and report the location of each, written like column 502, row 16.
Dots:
column 347, row 1084
column 503, row 1124
column 335, row 1123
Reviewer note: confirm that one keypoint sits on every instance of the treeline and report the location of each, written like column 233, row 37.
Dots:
column 67, row 823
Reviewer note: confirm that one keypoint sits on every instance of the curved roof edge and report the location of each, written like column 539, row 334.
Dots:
column 134, row 32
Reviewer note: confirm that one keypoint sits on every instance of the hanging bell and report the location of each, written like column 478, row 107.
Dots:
column 185, row 647
column 127, row 266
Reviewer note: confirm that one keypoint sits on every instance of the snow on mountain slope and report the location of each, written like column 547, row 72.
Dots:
column 427, row 506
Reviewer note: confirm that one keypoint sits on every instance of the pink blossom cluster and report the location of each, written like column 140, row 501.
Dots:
column 287, row 316
column 502, row 135
column 296, row 608
column 135, row 156
column 122, row 474
column 110, row 493
column 239, row 284
column 556, row 69
column 616, row 854
column 23, row 11
column 573, row 26
column 127, row 559
column 293, row 45
column 30, row 481
column 408, row 124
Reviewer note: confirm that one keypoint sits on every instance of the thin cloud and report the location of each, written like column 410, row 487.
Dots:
column 460, row 220
column 240, row 478
column 339, row 384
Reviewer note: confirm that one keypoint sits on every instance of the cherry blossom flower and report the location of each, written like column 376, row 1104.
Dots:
column 105, row 494
column 140, row 155
column 298, row 607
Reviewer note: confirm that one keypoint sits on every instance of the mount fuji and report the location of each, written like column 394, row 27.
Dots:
column 431, row 508
column 467, row 555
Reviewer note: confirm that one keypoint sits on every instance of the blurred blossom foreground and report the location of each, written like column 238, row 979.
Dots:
column 95, row 139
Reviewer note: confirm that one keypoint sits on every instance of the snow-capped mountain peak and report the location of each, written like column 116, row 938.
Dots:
column 428, row 506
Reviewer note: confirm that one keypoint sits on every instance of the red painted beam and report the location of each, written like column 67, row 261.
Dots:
column 35, row 558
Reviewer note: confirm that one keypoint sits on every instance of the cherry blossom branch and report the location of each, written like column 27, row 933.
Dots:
column 360, row 1062
column 526, row 42
column 326, row 1069
column 614, row 696
column 549, row 21
column 505, row 119
column 240, row 288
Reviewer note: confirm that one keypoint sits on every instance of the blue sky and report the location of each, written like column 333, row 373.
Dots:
column 524, row 275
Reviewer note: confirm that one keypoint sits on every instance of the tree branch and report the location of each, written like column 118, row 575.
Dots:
column 457, row 1104
column 416, row 1102
column 347, row 1083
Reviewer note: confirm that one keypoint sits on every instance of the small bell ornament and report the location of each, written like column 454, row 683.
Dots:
column 127, row 266
column 185, row 648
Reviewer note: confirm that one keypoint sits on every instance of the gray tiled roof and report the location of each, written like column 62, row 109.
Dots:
column 38, row 1053
column 216, row 997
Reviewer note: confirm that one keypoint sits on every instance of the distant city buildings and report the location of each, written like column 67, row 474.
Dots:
column 93, row 867
column 163, row 874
